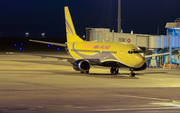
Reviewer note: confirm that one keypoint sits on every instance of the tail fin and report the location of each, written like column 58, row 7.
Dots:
column 70, row 31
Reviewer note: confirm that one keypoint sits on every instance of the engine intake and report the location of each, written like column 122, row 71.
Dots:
column 81, row 65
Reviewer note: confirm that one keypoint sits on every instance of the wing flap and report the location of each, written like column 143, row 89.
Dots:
column 71, row 60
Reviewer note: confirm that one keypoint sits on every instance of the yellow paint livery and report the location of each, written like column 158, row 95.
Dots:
column 70, row 31
column 105, row 52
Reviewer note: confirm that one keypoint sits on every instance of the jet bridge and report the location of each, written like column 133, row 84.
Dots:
column 140, row 40
column 173, row 31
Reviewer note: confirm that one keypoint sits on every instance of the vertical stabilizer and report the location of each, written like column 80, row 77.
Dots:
column 70, row 30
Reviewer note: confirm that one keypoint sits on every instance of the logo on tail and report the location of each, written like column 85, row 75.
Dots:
column 69, row 29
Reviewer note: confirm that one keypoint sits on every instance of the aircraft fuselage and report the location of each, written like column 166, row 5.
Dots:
column 107, row 53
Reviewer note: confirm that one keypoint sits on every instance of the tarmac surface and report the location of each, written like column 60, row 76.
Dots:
column 29, row 84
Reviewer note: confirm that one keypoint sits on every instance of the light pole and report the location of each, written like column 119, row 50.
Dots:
column 119, row 16
column 27, row 34
column 43, row 34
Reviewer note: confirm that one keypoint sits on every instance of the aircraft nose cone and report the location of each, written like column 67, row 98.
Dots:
column 139, row 61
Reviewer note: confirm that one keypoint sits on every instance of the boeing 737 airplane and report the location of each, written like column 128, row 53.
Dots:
column 110, row 54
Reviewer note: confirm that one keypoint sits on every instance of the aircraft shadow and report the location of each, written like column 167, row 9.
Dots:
column 97, row 75
column 109, row 76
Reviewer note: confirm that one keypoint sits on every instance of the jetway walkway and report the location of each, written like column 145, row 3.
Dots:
column 140, row 40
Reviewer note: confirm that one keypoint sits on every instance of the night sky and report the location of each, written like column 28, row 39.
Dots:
column 37, row 16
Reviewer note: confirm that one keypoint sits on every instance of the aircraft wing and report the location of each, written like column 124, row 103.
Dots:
column 71, row 60
column 154, row 55
column 44, row 42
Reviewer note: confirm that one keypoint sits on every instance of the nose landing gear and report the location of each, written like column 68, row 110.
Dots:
column 114, row 70
column 132, row 74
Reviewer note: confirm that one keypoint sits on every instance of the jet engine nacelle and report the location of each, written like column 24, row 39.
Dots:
column 143, row 67
column 81, row 65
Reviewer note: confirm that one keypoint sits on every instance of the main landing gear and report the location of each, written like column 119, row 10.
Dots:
column 114, row 70
column 132, row 74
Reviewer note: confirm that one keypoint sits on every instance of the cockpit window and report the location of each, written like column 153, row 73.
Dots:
column 132, row 52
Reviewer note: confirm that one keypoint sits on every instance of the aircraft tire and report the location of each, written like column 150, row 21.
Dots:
column 112, row 70
column 87, row 72
column 132, row 74
column 117, row 71
column 82, row 71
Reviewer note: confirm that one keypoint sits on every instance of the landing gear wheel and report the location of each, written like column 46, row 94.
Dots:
column 87, row 72
column 114, row 70
column 82, row 71
column 132, row 74
column 117, row 71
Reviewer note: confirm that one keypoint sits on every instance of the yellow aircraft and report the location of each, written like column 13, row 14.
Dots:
column 110, row 54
